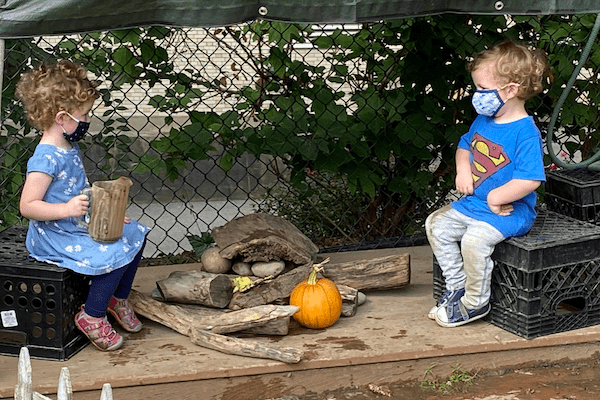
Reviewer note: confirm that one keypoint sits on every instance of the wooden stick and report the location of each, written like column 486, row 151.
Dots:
column 229, row 345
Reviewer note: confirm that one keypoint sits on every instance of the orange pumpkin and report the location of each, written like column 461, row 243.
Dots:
column 319, row 300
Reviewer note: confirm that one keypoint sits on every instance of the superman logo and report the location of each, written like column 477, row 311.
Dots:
column 488, row 157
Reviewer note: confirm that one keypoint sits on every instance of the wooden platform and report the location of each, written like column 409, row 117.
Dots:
column 390, row 339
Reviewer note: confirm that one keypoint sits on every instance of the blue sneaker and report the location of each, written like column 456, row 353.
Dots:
column 449, row 296
column 456, row 314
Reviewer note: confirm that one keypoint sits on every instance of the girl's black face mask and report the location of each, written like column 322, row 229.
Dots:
column 79, row 132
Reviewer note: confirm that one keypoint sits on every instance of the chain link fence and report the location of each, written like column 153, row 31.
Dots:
column 347, row 131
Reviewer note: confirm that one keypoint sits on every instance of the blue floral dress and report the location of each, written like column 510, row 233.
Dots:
column 66, row 242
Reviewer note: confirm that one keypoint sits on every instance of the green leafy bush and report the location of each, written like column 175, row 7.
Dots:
column 366, row 136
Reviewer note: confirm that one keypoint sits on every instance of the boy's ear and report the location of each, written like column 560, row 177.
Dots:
column 512, row 91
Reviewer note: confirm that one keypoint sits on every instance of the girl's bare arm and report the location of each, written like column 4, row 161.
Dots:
column 33, row 206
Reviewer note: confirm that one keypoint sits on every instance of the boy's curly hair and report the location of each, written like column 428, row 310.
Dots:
column 51, row 88
column 515, row 63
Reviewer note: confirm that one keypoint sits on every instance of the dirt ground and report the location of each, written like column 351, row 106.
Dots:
column 579, row 381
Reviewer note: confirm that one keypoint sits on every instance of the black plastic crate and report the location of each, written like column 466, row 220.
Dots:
column 439, row 283
column 575, row 193
column 38, row 302
column 547, row 281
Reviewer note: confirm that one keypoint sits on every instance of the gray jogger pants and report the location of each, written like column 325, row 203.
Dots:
column 463, row 247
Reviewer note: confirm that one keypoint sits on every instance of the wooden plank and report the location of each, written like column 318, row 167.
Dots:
column 319, row 380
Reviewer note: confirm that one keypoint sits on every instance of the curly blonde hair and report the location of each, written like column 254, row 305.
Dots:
column 515, row 63
column 51, row 88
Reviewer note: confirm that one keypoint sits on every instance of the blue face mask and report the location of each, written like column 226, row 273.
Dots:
column 79, row 132
column 488, row 102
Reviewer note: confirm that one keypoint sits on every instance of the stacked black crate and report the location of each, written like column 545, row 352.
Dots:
column 38, row 302
column 547, row 281
column 575, row 193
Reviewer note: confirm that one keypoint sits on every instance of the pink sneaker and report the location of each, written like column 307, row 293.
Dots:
column 99, row 331
column 124, row 314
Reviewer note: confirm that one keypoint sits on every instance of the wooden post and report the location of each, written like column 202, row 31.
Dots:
column 106, row 392
column 65, row 390
column 23, row 389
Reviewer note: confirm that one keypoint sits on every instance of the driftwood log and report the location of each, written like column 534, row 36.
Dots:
column 246, row 348
column 279, row 288
column 349, row 300
column 177, row 319
column 391, row 272
column 196, row 287
column 181, row 318
column 383, row 273
column 279, row 325
column 263, row 237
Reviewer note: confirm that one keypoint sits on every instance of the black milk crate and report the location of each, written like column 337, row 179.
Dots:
column 575, row 193
column 439, row 283
column 545, row 282
column 38, row 302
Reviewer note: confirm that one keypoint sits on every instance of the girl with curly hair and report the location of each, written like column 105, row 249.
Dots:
column 58, row 99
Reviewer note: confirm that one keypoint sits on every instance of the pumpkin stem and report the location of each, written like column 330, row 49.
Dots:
column 312, row 278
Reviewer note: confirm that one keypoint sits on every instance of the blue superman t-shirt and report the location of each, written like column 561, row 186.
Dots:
column 498, row 154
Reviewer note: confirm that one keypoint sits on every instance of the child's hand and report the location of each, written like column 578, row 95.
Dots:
column 503, row 210
column 464, row 183
column 77, row 206
column 127, row 220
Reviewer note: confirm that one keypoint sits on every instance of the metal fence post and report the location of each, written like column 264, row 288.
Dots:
column 2, row 48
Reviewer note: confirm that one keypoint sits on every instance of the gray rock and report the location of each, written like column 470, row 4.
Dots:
column 213, row 262
column 242, row 268
column 264, row 269
column 361, row 298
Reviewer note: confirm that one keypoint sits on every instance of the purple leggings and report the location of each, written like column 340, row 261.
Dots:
column 116, row 283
